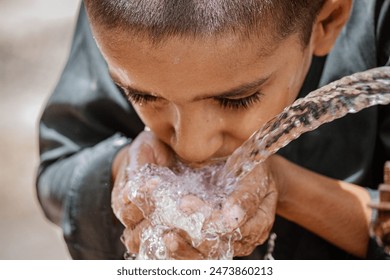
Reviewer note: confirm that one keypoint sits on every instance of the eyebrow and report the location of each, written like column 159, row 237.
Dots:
column 237, row 91
column 130, row 89
column 234, row 92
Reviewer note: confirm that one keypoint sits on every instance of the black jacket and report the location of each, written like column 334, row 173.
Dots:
column 87, row 120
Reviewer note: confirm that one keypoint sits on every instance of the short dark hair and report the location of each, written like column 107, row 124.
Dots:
column 160, row 19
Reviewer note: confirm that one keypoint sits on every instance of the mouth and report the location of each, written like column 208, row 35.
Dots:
column 211, row 161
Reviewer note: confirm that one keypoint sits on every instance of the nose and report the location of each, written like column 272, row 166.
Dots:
column 198, row 134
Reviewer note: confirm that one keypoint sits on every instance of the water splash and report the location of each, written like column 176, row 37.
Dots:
column 186, row 200
column 181, row 200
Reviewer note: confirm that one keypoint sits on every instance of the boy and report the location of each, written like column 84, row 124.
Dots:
column 203, row 76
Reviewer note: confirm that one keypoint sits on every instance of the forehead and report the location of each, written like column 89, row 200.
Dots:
column 259, row 43
column 122, row 45
column 187, row 62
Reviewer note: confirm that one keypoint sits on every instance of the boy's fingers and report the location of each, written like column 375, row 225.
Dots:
column 128, row 213
column 176, row 247
column 239, row 207
column 131, row 237
column 135, row 207
column 146, row 148
column 244, row 201
column 126, row 203
column 179, row 249
column 129, row 207
column 256, row 230
column 262, row 220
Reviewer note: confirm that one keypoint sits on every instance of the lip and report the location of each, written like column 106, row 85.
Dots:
column 203, row 163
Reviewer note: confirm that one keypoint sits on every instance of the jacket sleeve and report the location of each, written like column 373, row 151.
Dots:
column 84, row 124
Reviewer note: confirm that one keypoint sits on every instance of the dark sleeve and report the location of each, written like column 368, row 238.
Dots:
column 383, row 56
column 84, row 124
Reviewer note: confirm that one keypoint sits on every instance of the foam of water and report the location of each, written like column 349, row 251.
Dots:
column 181, row 200
column 188, row 200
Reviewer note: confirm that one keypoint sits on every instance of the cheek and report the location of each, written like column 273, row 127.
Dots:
column 282, row 92
column 157, row 119
column 298, row 74
column 273, row 103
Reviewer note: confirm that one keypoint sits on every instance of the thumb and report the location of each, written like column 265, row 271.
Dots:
column 146, row 148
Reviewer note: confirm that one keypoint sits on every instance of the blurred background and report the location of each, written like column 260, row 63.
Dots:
column 35, row 39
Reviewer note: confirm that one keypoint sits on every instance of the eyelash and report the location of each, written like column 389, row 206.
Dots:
column 141, row 98
column 241, row 103
column 137, row 98
column 226, row 103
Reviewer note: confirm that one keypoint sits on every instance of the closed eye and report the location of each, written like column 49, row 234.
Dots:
column 141, row 98
column 224, row 102
column 138, row 98
column 239, row 103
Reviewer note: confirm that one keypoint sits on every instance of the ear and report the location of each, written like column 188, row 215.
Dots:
column 332, row 17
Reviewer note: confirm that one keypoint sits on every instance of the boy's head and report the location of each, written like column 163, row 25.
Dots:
column 205, row 74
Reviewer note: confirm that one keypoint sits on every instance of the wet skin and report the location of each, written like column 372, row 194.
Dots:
column 201, row 98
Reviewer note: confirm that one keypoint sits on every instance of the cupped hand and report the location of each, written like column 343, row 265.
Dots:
column 145, row 149
column 245, row 217
column 251, row 208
